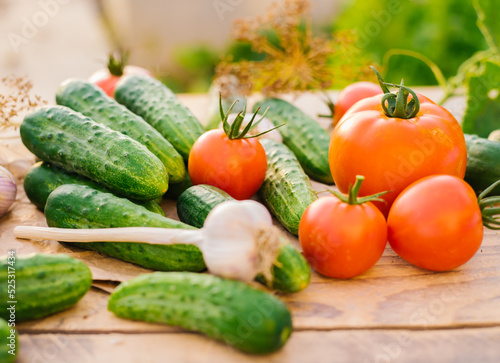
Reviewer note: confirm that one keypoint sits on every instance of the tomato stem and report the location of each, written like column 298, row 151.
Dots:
column 233, row 130
column 117, row 62
column 398, row 105
column 352, row 197
column 489, row 212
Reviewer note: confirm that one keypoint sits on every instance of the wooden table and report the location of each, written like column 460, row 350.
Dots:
column 393, row 313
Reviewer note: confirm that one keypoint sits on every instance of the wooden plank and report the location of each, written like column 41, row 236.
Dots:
column 364, row 346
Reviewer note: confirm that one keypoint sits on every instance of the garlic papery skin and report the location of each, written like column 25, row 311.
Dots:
column 263, row 126
column 238, row 239
column 8, row 190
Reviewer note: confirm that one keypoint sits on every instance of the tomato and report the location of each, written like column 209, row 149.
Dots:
column 342, row 240
column 237, row 166
column 107, row 78
column 352, row 94
column 436, row 223
column 393, row 152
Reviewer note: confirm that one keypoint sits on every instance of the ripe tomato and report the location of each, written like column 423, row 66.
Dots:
column 393, row 152
column 436, row 223
column 107, row 78
column 237, row 166
column 352, row 94
column 342, row 240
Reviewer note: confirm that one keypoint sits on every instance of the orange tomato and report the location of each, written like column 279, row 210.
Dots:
column 394, row 152
column 436, row 223
column 237, row 166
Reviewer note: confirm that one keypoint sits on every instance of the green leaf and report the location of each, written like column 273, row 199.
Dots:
column 488, row 21
column 482, row 115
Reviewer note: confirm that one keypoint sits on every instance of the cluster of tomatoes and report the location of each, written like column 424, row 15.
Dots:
column 401, row 160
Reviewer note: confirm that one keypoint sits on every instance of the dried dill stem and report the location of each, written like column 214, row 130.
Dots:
column 295, row 59
column 16, row 98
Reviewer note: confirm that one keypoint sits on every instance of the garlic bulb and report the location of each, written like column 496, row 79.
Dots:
column 238, row 239
column 8, row 190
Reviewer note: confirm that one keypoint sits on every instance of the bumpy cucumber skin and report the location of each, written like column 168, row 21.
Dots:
column 5, row 356
column 303, row 135
column 197, row 201
column 287, row 190
column 91, row 101
column 291, row 273
column 44, row 284
column 230, row 311
column 43, row 178
column 77, row 144
column 79, row 206
column 158, row 105
column 483, row 163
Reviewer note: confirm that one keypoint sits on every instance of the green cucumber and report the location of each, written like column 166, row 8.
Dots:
column 10, row 345
column 303, row 135
column 77, row 144
column 241, row 316
column 79, row 206
column 175, row 190
column 291, row 273
column 159, row 106
column 287, row 190
column 483, row 163
column 41, row 285
column 43, row 178
column 194, row 204
column 91, row 101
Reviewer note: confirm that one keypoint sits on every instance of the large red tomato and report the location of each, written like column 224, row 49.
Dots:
column 436, row 223
column 350, row 95
column 393, row 151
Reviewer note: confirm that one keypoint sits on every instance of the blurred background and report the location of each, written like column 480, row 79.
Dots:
column 181, row 42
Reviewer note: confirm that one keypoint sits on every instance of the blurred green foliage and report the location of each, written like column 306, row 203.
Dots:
column 443, row 30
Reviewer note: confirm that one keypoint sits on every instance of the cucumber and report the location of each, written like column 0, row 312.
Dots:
column 196, row 202
column 241, row 316
column 158, row 105
column 291, row 273
column 303, row 135
column 91, row 101
column 175, row 190
column 79, row 206
column 43, row 284
column 483, row 163
column 10, row 345
column 287, row 190
column 43, row 178
column 77, row 144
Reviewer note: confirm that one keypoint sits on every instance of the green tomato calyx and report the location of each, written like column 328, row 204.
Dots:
column 233, row 130
column 489, row 211
column 117, row 62
column 352, row 197
column 397, row 105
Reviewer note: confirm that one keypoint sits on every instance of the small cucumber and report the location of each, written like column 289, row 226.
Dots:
column 291, row 273
column 79, row 206
column 303, row 135
column 43, row 178
column 76, row 143
column 197, row 201
column 44, row 284
column 483, row 163
column 91, row 101
column 241, row 316
column 10, row 345
column 159, row 106
column 287, row 190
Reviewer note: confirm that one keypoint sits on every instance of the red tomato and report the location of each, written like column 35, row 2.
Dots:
column 342, row 240
column 394, row 152
column 236, row 166
column 107, row 81
column 436, row 223
column 352, row 94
